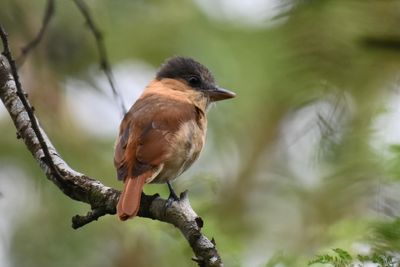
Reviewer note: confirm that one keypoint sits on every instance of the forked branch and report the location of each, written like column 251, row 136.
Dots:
column 77, row 186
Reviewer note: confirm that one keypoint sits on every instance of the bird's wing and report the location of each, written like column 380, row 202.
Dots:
column 120, row 147
column 146, row 134
column 145, row 142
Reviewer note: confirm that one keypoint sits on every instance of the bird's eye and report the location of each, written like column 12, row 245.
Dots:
column 194, row 80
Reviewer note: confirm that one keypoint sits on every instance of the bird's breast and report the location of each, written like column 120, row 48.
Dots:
column 185, row 147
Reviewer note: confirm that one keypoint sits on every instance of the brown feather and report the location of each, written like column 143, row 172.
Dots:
column 160, row 137
column 129, row 202
column 152, row 123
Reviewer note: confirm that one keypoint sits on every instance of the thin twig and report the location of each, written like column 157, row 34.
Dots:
column 386, row 42
column 35, row 126
column 77, row 186
column 103, row 57
column 79, row 220
column 48, row 15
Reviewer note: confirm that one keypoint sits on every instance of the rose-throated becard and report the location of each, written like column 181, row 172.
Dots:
column 164, row 131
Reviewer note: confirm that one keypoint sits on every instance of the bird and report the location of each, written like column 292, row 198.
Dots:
column 164, row 131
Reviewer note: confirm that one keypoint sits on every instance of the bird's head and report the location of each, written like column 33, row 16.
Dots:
column 195, row 75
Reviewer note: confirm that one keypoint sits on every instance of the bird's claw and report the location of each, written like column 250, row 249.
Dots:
column 172, row 197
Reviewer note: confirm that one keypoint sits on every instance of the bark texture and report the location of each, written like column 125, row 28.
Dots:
column 102, row 199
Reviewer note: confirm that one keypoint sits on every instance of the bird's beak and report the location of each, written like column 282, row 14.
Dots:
column 218, row 93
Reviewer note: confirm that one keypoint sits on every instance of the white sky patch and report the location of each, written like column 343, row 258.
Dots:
column 93, row 105
column 250, row 12
column 302, row 133
column 16, row 195
column 300, row 139
column 387, row 125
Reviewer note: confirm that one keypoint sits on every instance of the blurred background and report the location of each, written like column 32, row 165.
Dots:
column 305, row 159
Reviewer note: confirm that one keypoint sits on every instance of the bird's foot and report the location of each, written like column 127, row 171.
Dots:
column 171, row 198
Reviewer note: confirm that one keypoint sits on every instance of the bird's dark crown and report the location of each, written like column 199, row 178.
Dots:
column 187, row 69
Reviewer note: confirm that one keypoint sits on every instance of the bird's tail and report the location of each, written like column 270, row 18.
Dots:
column 129, row 201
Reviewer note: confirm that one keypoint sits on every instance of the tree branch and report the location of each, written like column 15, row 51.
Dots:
column 385, row 42
column 80, row 187
column 48, row 15
column 101, row 48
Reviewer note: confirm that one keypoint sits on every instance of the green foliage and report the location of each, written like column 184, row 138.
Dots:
column 383, row 260
column 386, row 235
column 342, row 258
